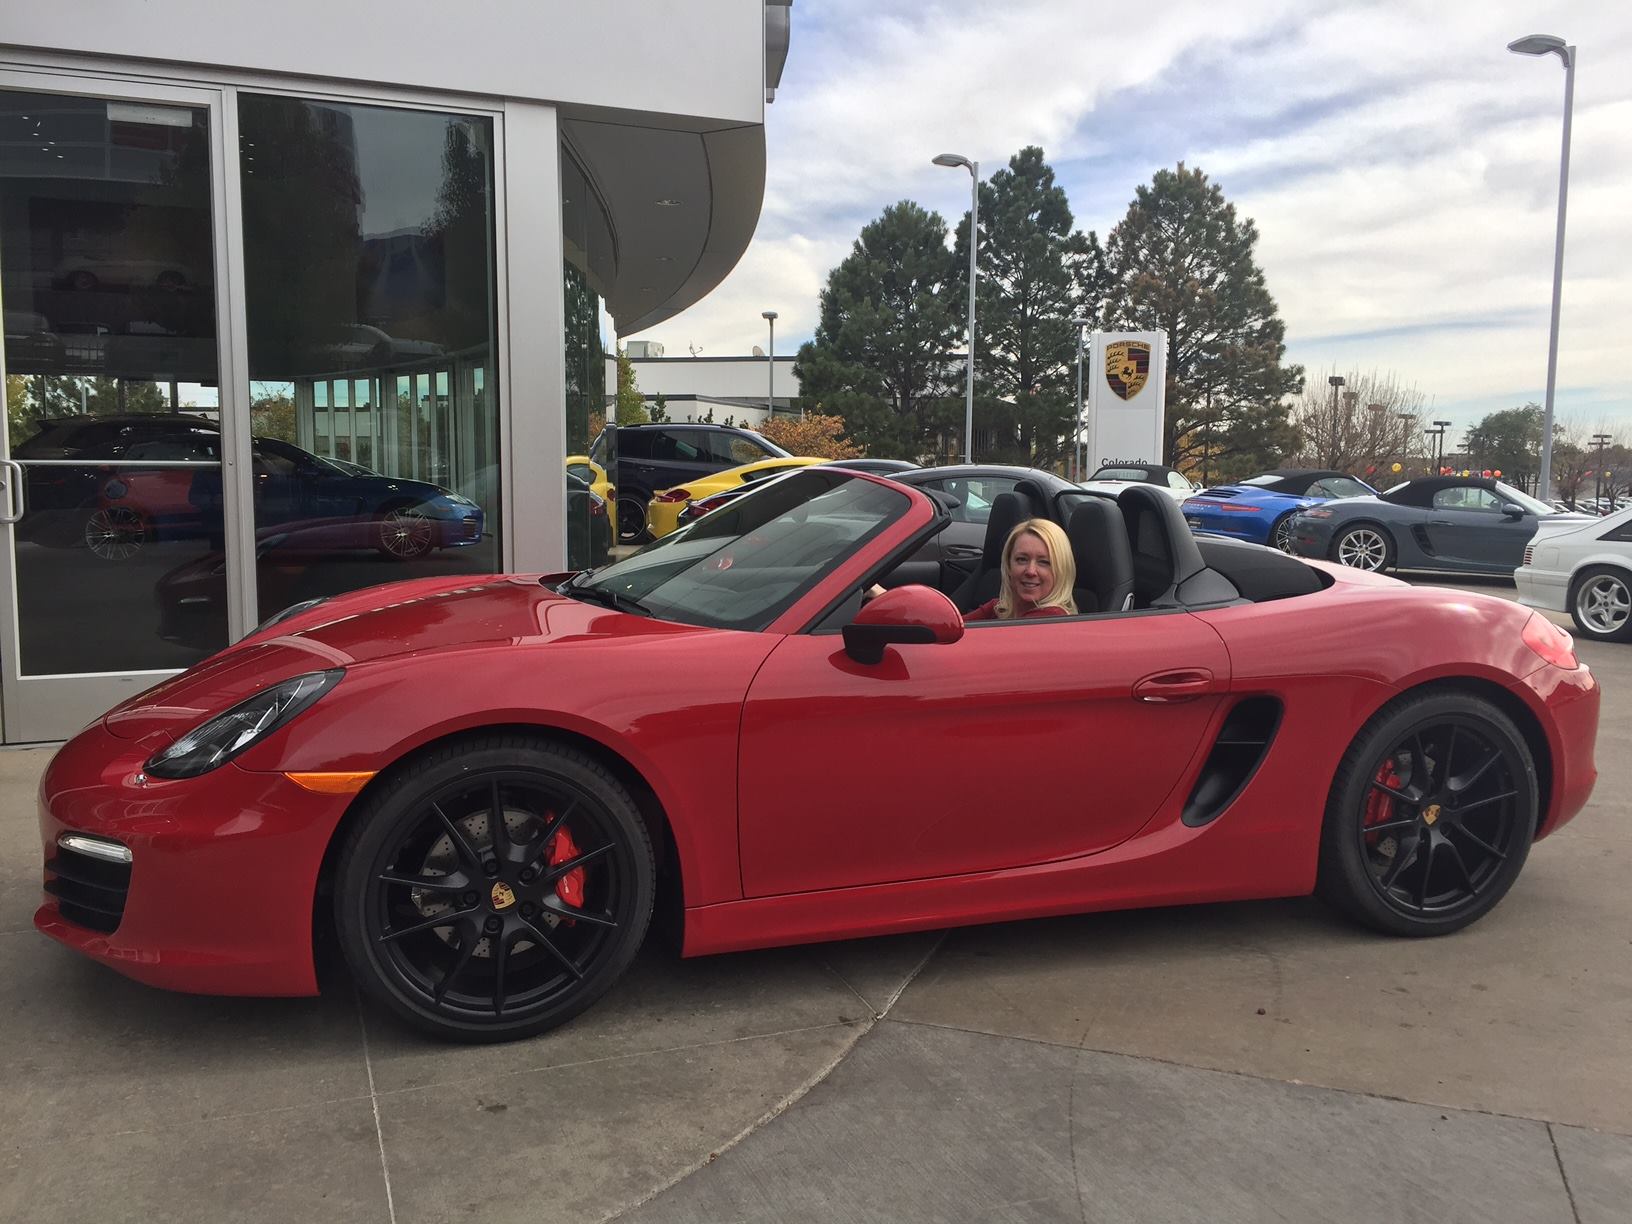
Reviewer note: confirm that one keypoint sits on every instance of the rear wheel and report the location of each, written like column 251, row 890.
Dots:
column 115, row 533
column 1430, row 816
column 1601, row 604
column 632, row 519
column 494, row 889
column 1364, row 547
column 1280, row 535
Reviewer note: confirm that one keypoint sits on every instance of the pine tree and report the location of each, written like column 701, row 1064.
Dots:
column 1182, row 263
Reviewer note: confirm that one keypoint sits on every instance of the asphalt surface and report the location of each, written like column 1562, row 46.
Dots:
column 1219, row 1063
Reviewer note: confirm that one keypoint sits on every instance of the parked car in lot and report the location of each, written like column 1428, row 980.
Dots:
column 667, row 508
column 1583, row 567
column 1260, row 508
column 1113, row 478
column 661, row 456
column 114, row 483
column 1460, row 524
column 585, row 469
column 696, row 509
column 482, row 783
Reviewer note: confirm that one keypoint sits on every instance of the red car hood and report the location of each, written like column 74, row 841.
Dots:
column 403, row 618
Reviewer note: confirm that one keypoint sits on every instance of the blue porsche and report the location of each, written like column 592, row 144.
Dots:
column 1260, row 508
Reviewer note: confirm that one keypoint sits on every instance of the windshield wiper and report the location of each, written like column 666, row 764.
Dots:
column 606, row 598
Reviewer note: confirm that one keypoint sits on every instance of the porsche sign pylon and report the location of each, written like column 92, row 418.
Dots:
column 1126, row 399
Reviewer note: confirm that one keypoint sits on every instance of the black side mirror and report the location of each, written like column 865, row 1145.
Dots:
column 1512, row 510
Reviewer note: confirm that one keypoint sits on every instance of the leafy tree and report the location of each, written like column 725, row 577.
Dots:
column 1181, row 263
column 1036, row 274
column 814, row 435
column 889, row 320
column 660, row 409
column 272, row 414
column 631, row 407
column 1510, row 441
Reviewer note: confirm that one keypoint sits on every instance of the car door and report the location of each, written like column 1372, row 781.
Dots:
column 1466, row 528
column 1023, row 742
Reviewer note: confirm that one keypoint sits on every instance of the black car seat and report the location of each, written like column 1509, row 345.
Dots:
column 1168, row 570
column 1009, row 510
column 1099, row 545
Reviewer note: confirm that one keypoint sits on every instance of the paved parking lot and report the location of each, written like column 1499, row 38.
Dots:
column 1218, row 1063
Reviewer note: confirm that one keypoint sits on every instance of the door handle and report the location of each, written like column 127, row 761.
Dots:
column 1172, row 686
column 965, row 552
column 13, row 482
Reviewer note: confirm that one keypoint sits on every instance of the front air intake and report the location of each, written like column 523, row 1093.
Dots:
column 90, row 892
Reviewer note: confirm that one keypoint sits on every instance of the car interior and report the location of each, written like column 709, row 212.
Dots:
column 1135, row 552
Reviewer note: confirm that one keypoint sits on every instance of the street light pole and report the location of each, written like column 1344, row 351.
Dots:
column 1439, row 428
column 1405, row 434
column 1079, row 440
column 954, row 159
column 1599, row 442
column 1548, row 44
column 770, row 362
column 1336, row 380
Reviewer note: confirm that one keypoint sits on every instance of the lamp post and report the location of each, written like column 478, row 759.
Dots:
column 1599, row 442
column 1405, row 433
column 953, row 159
column 770, row 363
column 1439, row 428
column 1548, row 44
column 1336, row 381
column 1079, row 438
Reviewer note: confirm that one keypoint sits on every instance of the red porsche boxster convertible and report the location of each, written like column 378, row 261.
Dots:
column 486, row 786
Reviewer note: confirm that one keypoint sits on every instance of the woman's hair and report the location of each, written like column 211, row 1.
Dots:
column 1062, row 564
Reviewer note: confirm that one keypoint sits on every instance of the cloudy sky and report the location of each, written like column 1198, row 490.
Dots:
column 1400, row 163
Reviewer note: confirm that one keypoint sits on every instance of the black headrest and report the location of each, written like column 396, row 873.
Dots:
column 1009, row 510
column 1165, row 556
column 1099, row 545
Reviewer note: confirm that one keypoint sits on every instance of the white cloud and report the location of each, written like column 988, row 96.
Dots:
column 1401, row 166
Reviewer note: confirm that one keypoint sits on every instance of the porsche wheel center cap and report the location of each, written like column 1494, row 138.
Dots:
column 503, row 896
column 1429, row 815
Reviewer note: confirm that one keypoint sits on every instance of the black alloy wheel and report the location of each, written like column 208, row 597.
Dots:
column 632, row 519
column 1431, row 815
column 494, row 889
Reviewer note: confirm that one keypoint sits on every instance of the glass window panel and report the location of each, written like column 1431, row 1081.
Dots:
column 590, row 267
column 368, row 259
column 107, row 273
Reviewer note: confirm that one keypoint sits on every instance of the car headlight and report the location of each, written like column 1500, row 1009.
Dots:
column 223, row 737
column 289, row 613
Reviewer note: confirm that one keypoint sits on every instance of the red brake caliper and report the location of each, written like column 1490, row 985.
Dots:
column 1379, row 804
column 570, row 887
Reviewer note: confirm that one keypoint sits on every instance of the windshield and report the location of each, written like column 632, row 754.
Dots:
column 1509, row 493
column 1120, row 473
column 744, row 565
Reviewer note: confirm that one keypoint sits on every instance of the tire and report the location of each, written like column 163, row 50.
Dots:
column 524, row 949
column 404, row 534
column 1601, row 604
column 1364, row 546
column 632, row 519
column 1280, row 533
column 1430, row 816
column 114, row 533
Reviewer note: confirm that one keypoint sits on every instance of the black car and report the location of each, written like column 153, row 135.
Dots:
column 660, row 456
column 878, row 467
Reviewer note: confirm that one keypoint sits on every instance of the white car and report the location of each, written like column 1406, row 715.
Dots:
column 1113, row 478
column 1585, row 569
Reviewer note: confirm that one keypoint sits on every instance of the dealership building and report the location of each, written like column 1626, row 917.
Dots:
column 299, row 300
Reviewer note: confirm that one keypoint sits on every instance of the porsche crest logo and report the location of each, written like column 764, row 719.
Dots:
column 1127, row 367
column 503, row 896
column 1430, row 813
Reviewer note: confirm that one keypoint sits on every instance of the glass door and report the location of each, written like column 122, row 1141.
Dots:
column 115, row 506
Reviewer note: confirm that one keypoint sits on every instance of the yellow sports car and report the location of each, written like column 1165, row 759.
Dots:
column 594, row 475
column 663, row 512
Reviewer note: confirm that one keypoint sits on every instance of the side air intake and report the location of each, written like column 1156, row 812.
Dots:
column 1242, row 744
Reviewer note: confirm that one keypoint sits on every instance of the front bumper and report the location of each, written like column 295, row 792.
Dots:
column 1312, row 537
column 223, row 874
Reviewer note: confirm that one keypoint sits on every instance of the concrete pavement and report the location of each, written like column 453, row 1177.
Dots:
column 1219, row 1063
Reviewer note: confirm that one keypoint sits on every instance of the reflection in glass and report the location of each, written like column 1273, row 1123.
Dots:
column 107, row 280
column 368, row 253
column 591, row 498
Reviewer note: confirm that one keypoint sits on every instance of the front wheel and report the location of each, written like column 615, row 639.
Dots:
column 405, row 533
column 494, row 889
column 1364, row 547
column 1601, row 604
column 115, row 533
column 1430, row 816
